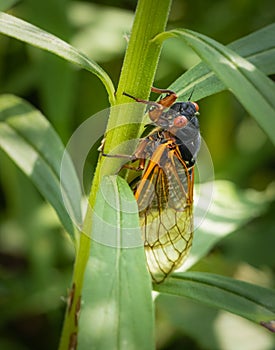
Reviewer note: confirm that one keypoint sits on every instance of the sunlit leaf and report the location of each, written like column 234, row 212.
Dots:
column 100, row 29
column 251, row 87
column 241, row 298
column 26, row 32
column 30, row 141
column 230, row 209
column 7, row 4
column 257, row 47
column 117, row 310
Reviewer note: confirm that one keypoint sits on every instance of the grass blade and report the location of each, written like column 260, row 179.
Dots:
column 26, row 32
column 117, row 309
column 30, row 141
column 250, row 86
column 258, row 48
column 7, row 4
column 230, row 209
column 241, row 298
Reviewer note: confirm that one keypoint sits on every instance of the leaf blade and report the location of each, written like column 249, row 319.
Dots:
column 250, row 86
column 252, row 302
column 118, row 311
column 26, row 32
column 257, row 47
column 25, row 137
column 7, row 4
column 230, row 209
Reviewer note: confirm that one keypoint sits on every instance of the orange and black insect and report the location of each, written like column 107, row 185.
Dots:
column 164, row 190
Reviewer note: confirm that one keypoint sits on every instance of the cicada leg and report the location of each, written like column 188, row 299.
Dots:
column 169, row 99
column 157, row 107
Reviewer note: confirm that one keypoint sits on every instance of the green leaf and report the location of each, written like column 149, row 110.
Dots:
column 26, row 32
column 7, row 4
column 251, row 87
column 255, row 303
column 257, row 47
column 91, row 20
column 229, row 210
column 117, row 310
column 30, row 141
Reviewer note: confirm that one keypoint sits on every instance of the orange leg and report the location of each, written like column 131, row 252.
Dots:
column 165, row 102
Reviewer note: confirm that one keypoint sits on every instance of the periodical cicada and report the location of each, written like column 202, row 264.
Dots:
column 164, row 189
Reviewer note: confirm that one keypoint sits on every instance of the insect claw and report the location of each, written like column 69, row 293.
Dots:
column 100, row 148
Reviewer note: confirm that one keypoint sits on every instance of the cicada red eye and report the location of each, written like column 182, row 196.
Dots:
column 196, row 106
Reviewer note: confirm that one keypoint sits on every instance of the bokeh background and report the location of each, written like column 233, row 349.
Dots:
column 36, row 258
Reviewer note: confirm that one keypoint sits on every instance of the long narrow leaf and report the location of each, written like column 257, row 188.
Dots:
column 230, row 209
column 255, row 303
column 26, row 32
column 117, row 310
column 257, row 47
column 7, row 4
column 251, row 87
column 30, row 141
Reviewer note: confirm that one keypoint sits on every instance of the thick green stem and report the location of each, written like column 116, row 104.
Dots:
column 138, row 71
column 142, row 55
column 137, row 76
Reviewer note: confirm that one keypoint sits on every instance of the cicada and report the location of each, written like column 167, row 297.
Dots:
column 166, row 157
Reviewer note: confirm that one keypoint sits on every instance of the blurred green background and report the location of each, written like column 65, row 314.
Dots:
column 36, row 257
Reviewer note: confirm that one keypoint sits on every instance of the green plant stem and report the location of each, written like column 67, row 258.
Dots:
column 137, row 75
column 138, row 69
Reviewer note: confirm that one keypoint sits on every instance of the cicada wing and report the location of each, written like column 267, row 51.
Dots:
column 165, row 212
column 180, row 181
column 151, row 183
column 170, row 250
